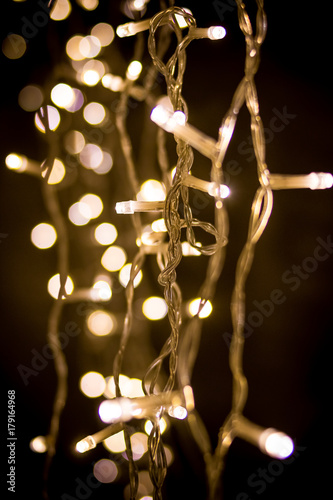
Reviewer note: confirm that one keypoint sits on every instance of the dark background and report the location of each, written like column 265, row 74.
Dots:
column 287, row 359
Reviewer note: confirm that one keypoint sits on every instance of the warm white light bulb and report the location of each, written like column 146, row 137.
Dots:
column 133, row 71
column 276, row 444
column 216, row 32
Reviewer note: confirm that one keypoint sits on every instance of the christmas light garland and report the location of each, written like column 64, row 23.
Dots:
column 175, row 395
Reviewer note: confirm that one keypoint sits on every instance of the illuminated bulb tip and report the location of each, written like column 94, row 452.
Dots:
column 16, row 162
column 85, row 444
column 276, row 444
column 320, row 180
column 216, row 32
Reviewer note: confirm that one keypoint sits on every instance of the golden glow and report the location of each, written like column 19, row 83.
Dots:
column 79, row 213
column 113, row 82
column 53, row 119
column 105, row 166
column 92, row 72
column 43, row 235
column 14, row 46
column 90, row 46
column 113, row 258
column 124, row 276
column 88, row 4
column 100, row 323
column 125, row 385
column 77, row 101
column 193, row 308
column 16, row 162
column 90, row 77
column 91, row 156
column 133, row 71
column 115, row 443
column 74, row 142
column 104, row 32
column 139, row 442
column 61, row 10
column 73, row 48
column 151, row 190
column 57, row 173
column 94, row 203
column 92, row 384
column 159, row 226
column 106, row 233
column 149, row 426
column 30, row 98
column 94, row 113
column 154, row 308
column 53, row 286
column 104, row 290
column 105, row 470
column 38, row 444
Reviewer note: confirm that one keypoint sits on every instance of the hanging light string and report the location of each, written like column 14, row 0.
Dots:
column 61, row 367
column 180, row 350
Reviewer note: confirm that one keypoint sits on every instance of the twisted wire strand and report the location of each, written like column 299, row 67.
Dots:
column 52, row 205
column 260, row 212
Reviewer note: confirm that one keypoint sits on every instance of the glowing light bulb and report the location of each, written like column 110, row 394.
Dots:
column 103, row 289
column 276, row 444
column 177, row 412
column 216, row 32
column 125, row 384
column 38, row 444
column 194, row 305
column 74, row 142
column 57, row 174
column 73, row 48
column 104, row 32
column 115, row 410
column 90, row 77
column 43, row 235
column 92, row 384
column 115, row 443
column 62, row 95
column 53, row 118
column 95, row 204
column 133, row 71
column 100, row 323
column 90, row 46
column 61, row 10
column 105, row 471
column 94, row 113
column 79, row 213
column 151, row 190
column 106, row 233
column 124, row 276
column 85, row 444
column 16, row 162
column 91, row 156
column 113, row 258
column 149, row 426
column 53, row 286
column 154, row 308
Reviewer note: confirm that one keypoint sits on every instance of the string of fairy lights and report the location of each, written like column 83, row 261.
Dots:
column 160, row 213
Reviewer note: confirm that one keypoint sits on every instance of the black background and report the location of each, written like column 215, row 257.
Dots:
column 287, row 359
